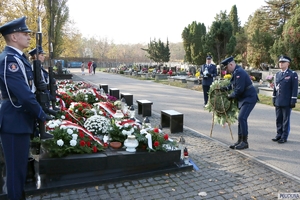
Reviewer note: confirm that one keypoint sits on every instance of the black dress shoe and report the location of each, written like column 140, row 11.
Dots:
column 276, row 139
column 282, row 141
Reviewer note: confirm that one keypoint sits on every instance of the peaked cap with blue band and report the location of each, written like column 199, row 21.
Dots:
column 33, row 51
column 226, row 61
column 17, row 25
column 284, row 59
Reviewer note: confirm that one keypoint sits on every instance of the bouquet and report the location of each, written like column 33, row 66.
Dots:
column 68, row 141
column 97, row 124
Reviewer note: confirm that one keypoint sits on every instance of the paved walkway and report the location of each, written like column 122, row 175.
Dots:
column 223, row 173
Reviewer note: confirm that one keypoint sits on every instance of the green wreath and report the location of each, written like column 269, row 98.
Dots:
column 224, row 110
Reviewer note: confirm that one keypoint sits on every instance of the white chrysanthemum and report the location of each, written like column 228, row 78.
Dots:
column 126, row 125
column 143, row 131
column 69, row 131
column 74, row 136
column 63, row 127
column 73, row 143
column 63, row 117
column 60, row 142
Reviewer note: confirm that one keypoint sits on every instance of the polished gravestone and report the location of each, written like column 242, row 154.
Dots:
column 81, row 170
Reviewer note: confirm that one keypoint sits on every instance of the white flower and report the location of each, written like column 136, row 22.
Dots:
column 74, row 136
column 60, row 142
column 69, row 131
column 63, row 117
column 143, row 131
column 73, row 143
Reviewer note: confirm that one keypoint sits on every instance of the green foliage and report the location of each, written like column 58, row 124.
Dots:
column 60, row 145
column 193, row 41
column 158, row 51
column 225, row 111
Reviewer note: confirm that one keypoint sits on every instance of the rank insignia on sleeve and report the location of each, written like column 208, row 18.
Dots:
column 13, row 67
column 237, row 76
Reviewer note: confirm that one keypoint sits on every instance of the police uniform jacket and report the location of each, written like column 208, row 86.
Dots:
column 19, row 105
column 286, row 88
column 243, row 89
column 212, row 70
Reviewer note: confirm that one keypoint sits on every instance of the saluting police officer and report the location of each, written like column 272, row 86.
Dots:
column 246, row 96
column 19, row 105
column 284, row 98
column 208, row 72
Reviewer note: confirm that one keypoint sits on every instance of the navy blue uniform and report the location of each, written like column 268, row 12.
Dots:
column 17, row 117
column 284, row 95
column 246, row 96
column 207, row 79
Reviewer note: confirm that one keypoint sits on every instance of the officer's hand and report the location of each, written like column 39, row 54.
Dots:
column 223, row 89
column 230, row 97
column 293, row 105
column 48, row 118
column 42, row 86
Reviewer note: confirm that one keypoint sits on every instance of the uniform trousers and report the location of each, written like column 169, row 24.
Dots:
column 244, row 113
column 16, row 149
column 205, row 93
column 283, row 121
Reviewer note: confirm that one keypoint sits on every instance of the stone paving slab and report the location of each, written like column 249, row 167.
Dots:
column 223, row 174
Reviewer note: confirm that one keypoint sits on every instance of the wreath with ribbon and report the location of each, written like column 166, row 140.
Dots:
column 224, row 111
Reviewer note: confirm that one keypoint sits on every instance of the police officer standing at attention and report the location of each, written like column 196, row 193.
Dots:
column 208, row 72
column 284, row 98
column 245, row 94
column 19, row 105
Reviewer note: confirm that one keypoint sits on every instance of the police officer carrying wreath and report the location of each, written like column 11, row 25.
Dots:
column 19, row 105
column 244, row 92
column 285, row 93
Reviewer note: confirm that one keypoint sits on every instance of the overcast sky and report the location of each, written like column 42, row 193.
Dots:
column 136, row 21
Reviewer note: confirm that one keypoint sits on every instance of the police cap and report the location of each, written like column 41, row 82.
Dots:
column 17, row 25
column 226, row 61
column 208, row 57
column 33, row 51
column 283, row 58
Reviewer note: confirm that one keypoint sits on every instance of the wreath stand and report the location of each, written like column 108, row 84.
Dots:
column 217, row 92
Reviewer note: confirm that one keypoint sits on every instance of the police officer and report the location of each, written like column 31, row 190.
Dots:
column 245, row 94
column 19, row 105
column 208, row 71
column 41, row 56
column 284, row 98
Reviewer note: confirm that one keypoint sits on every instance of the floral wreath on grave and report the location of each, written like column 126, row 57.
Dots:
column 224, row 111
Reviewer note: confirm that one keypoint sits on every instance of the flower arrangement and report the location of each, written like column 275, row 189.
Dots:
column 227, row 76
column 224, row 110
column 270, row 78
column 97, row 124
column 86, row 95
column 67, row 99
column 156, row 140
column 119, row 130
column 69, row 141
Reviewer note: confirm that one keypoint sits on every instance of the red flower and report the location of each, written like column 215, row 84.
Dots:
column 81, row 134
column 88, row 143
column 95, row 149
column 156, row 130
column 156, row 144
column 82, row 143
column 166, row 136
